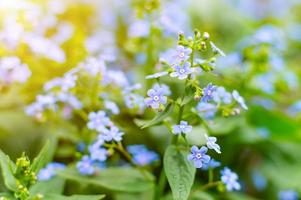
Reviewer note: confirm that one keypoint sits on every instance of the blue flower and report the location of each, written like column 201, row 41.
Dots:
column 230, row 179
column 208, row 92
column 212, row 145
column 112, row 134
column 207, row 110
column 288, row 195
column 199, row 156
column 182, row 72
column 141, row 155
column 220, row 95
column 85, row 166
column 98, row 120
column 212, row 164
column 49, row 171
column 98, row 153
column 112, row 106
column 239, row 100
column 259, row 181
column 157, row 96
column 182, row 53
column 183, row 127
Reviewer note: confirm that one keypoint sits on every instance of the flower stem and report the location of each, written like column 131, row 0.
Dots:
column 210, row 185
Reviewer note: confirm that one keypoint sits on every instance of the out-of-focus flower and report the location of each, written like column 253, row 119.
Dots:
column 49, row 171
column 98, row 121
column 259, row 181
column 220, row 95
column 216, row 50
column 139, row 28
column 198, row 156
column 183, row 127
column 212, row 164
column 112, row 106
column 207, row 110
column 156, row 75
column 93, row 66
column 85, row 166
column 230, row 179
column 141, row 155
column 288, row 195
column 112, row 134
column 12, row 70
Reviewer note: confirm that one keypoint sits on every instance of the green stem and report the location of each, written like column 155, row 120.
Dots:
column 161, row 185
column 210, row 174
column 210, row 185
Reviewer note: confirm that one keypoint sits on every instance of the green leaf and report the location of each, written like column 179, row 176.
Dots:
column 7, row 195
column 160, row 117
column 7, row 167
column 53, row 186
column 44, row 156
column 73, row 197
column 115, row 179
column 200, row 195
column 179, row 171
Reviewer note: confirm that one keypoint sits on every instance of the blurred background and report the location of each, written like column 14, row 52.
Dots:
column 43, row 39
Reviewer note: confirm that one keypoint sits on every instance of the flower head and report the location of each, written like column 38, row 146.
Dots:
column 157, row 96
column 141, row 155
column 112, row 106
column 182, row 72
column 49, row 171
column 98, row 120
column 183, row 127
column 182, row 53
column 230, row 179
column 85, row 166
column 212, row 164
column 199, row 156
column 212, row 145
column 288, row 195
column 220, row 95
column 112, row 134
column 208, row 92
column 207, row 110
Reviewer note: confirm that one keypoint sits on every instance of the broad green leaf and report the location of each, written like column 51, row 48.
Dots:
column 115, row 179
column 200, row 195
column 160, row 117
column 53, row 186
column 44, row 156
column 73, row 197
column 6, row 194
column 179, row 171
column 7, row 167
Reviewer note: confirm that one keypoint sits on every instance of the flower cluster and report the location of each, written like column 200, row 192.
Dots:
column 49, row 171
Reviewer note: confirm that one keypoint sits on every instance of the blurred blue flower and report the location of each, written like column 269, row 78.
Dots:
column 112, row 106
column 230, row 179
column 182, row 72
column 212, row 164
column 98, row 121
column 288, row 195
column 141, row 155
column 259, row 181
column 216, row 50
column 156, row 75
column 198, row 156
column 220, row 95
column 183, row 127
column 85, row 166
column 49, row 171
column 111, row 134
column 207, row 110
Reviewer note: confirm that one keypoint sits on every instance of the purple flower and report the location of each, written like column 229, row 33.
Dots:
column 208, row 92
column 112, row 134
column 49, row 171
column 156, row 96
column 98, row 121
column 183, row 127
column 182, row 72
column 85, row 166
column 212, row 145
column 112, row 106
column 220, row 95
column 97, row 152
column 230, row 179
column 182, row 53
column 199, row 156
column 239, row 100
